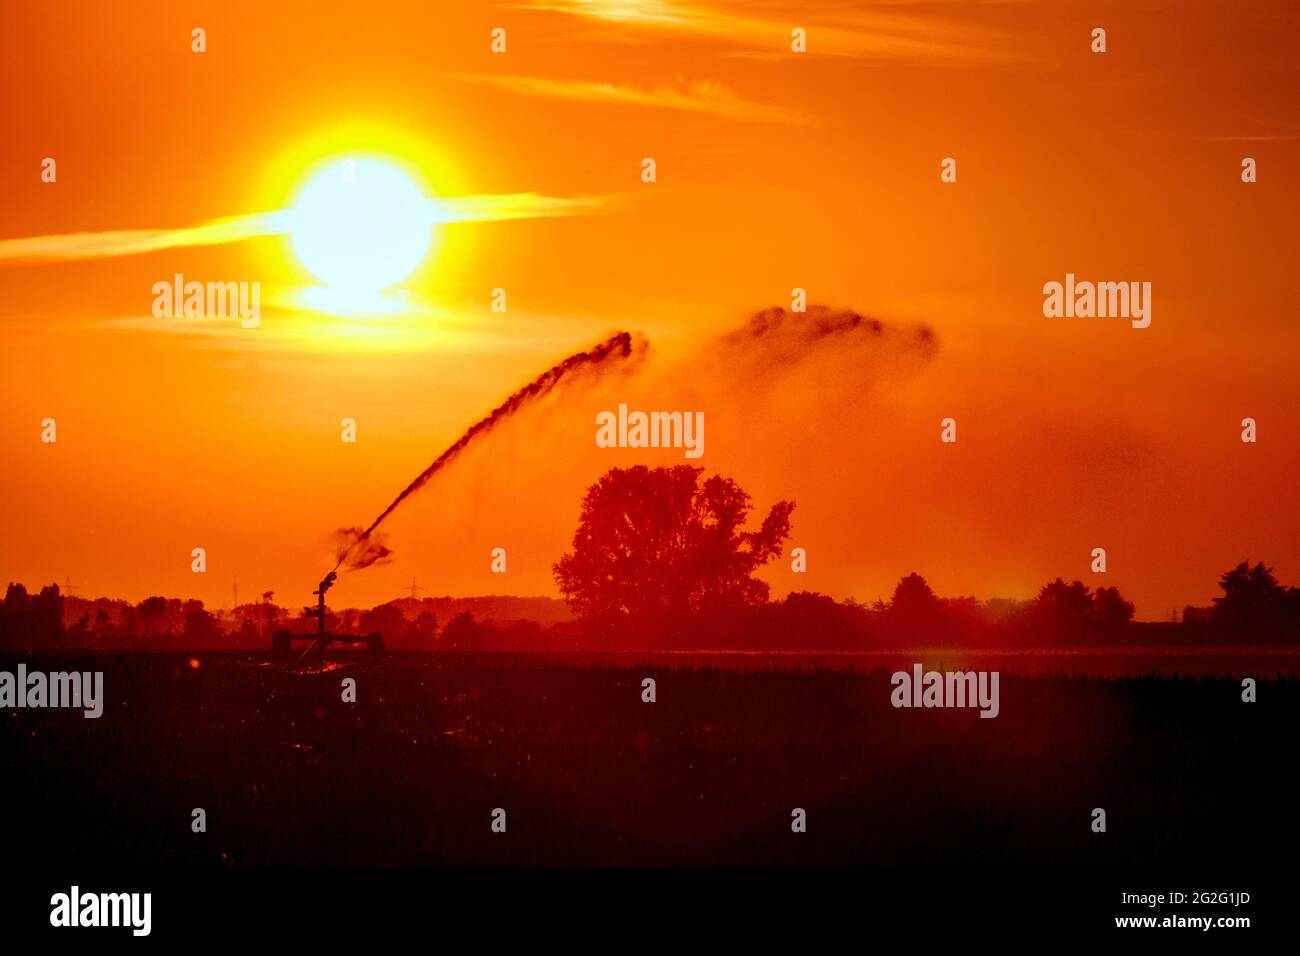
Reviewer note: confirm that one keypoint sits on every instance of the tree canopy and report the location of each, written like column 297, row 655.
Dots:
column 656, row 542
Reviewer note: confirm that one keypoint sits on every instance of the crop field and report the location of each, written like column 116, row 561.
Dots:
column 586, row 772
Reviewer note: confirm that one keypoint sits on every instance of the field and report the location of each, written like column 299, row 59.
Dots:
column 587, row 773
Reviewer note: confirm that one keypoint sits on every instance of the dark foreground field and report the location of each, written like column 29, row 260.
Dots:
column 587, row 773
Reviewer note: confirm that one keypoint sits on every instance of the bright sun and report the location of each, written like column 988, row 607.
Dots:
column 361, row 225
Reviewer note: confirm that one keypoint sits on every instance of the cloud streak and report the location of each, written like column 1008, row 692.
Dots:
column 518, row 206
column 874, row 34
column 130, row 242
column 693, row 97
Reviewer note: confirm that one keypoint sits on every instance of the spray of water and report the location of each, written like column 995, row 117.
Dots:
column 360, row 548
column 773, row 342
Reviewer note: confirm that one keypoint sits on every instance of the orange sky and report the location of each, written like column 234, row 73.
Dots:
column 775, row 170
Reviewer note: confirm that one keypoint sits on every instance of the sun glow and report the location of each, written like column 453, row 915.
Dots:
column 361, row 225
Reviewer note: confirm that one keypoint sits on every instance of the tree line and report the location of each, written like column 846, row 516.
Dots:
column 662, row 558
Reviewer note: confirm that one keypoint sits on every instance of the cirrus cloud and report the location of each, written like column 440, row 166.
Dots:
column 692, row 97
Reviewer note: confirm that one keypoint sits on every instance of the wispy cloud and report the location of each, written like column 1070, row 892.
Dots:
column 519, row 206
column 895, row 34
column 691, row 97
column 130, row 242
column 293, row 320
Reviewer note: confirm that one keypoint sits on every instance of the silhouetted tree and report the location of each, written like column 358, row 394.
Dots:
column 387, row 618
column 79, row 634
column 425, row 627
column 28, row 620
column 254, row 622
column 105, row 632
column 1062, row 608
column 913, row 609
column 152, row 610
column 1252, row 598
column 201, row 628
column 47, row 615
column 16, row 599
column 1110, row 611
column 12, row 612
column 657, row 542
column 462, row 633
column 805, row 619
column 913, row 595
column 962, row 617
